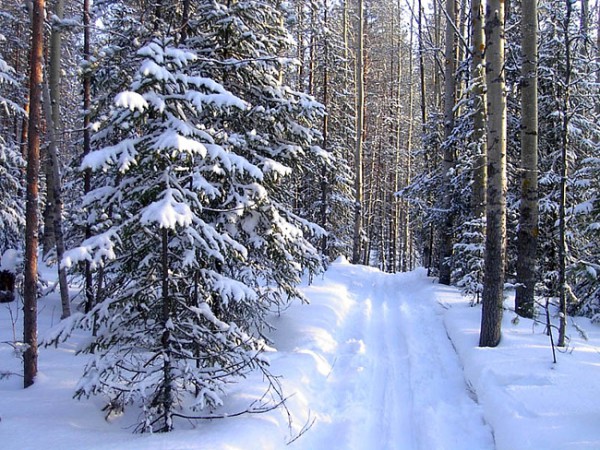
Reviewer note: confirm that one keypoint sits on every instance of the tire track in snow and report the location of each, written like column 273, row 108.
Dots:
column 376, row 407
column 393, row 427
column 444, row 413
column 396, row 382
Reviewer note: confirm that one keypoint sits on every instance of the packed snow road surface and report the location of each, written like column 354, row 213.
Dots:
column 395, row 379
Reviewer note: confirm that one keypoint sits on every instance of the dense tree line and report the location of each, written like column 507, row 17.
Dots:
column 197, row 158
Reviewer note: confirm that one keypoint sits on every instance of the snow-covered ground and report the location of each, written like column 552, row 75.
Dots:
column 375, row 361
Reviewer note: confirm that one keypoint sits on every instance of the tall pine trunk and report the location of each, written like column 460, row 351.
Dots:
column 426, row 231
column 360, row 98
column 30, row 355
column 493, row 284
column 325, row 131
column 406, row 232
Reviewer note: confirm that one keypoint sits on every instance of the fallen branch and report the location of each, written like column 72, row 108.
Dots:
column 260, row 410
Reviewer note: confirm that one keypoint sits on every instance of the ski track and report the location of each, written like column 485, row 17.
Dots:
column 396, row 401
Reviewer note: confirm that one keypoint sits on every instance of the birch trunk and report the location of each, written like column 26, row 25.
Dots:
column 479, row 100
column 446, row 230
column 54, row 70
column 528, row 219
column 358, row 181
column 57, row 205
column 493, row 282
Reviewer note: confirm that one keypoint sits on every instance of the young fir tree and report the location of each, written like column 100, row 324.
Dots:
column 243, row 45
column 194, row 238
column 191, row 244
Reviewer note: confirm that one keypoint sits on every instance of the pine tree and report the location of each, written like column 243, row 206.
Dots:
column 446, row 231
column 30, row 357
column 357, row 244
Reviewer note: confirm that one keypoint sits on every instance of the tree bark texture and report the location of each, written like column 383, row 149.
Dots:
column 360, row 96
column 87, row 104
column 31, row 209
column 166, row 389
column 479, row 113
column 54, row 126
column 528, row 219
column 496, row 188
column 56, row 205
column 406, row 217
column 446, row 230
column 564, row 173
column 324, row 172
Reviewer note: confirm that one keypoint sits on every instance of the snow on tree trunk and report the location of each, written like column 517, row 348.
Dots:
column 57, row 204
column 563, row 288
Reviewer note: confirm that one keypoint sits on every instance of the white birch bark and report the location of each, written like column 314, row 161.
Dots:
column 493, row 285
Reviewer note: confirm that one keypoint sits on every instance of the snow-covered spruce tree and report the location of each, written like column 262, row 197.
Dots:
column 582, row 148
column 12, row 213
column 468, row 251
column 12, row 165
column 467, row 258
column 585, row 271
column 113, row 45
column 584, row 215
column 244, row 46
column 176, row 216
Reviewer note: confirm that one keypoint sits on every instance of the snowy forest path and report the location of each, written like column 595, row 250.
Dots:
column 394, row 400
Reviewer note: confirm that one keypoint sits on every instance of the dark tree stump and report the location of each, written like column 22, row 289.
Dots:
column 7, row 286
